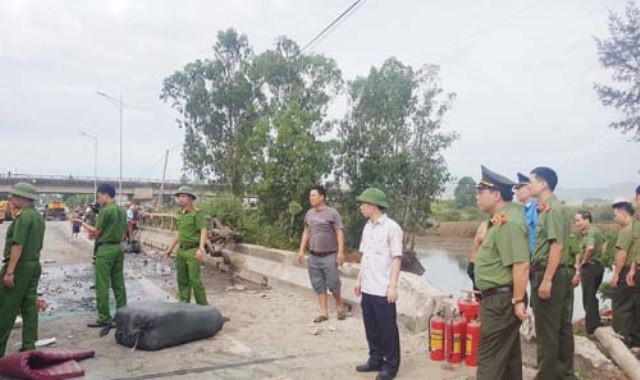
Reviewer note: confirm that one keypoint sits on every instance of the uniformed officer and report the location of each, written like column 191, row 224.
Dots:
column 589, row 269
column 192, row 238
column 551, row 289
column 21, row 268
column 502, row 274
column 625, row 279
column 530, row 204
column 111, row 225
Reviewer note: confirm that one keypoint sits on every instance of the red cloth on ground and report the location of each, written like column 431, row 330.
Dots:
column 44, row 365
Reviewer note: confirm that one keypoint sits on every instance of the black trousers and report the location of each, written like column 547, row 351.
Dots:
column 382, row 332
column 590, row 279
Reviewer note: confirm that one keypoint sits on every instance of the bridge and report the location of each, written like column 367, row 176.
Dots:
column 142, row 189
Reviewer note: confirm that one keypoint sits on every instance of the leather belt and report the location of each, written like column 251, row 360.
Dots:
column 101, row 243
column 188, row 245
column 497, row 290
column 321, row 254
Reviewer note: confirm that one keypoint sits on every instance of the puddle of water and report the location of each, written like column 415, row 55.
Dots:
column 447, row 270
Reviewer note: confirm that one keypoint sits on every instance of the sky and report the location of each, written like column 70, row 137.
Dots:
column 523, row 72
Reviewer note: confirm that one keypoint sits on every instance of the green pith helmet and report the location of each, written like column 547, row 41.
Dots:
column 374, row 196
column 24, row 190
column 188, row 190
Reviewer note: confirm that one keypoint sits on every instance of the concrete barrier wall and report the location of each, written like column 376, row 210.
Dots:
column 417, row 300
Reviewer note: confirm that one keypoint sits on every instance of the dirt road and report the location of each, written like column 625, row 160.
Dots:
column 270, row 335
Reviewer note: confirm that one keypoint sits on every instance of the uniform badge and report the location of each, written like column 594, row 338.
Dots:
column 499, row 220
column 543, row 207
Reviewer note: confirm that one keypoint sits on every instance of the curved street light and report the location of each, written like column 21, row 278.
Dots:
column 118, row 102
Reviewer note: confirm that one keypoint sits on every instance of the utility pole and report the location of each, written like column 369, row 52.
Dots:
column 164, row 174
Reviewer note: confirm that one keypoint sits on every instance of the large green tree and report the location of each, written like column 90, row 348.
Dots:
column 297, row 90
column 620, row 53
column 393, row 139
column 217, row 102
column 465, row 192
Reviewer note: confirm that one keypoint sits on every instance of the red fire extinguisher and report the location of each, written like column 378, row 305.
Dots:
column 469, row 307
column 455, row 333
column 436, row 337
column 473, row 338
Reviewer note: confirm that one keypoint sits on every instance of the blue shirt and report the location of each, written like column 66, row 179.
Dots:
column 531, row 218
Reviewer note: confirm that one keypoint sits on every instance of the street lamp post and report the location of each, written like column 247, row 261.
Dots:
column 95, row 163
column 120, row 106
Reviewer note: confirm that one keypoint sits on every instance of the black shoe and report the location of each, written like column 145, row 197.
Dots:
column 385, row 375
column 368, row 367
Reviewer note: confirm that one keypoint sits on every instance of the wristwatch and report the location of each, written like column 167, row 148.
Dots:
column 514, row 301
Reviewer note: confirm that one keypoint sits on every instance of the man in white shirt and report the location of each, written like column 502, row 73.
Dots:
column 377, row 282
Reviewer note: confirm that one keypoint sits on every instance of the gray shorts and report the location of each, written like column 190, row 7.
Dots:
column 324, row 273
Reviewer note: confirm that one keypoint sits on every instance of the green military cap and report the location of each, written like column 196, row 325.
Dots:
column 374, row 196
column 491, row 180
column 188, row 190
column 24, row 190
column 523, row 180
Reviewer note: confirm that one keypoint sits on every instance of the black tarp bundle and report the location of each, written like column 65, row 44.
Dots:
column 153, row 326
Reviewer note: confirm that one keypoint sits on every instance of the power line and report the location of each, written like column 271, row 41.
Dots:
column 324, row 31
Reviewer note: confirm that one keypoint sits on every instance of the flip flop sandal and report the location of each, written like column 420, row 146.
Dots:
column 342, row 315
column 320, row 319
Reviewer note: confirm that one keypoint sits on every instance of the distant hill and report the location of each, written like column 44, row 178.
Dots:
column 576, row 196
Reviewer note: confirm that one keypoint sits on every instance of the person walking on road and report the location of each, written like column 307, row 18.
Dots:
column 589, row 268
column 377, row 283
column 551, row 289
column 502, row 274
column 21, row 268
column 109, row 231
column 323, row 232
column 191, row 241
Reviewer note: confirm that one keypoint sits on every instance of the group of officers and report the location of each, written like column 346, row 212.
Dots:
column 529, row 242
column 21, row 269
column 520, row 243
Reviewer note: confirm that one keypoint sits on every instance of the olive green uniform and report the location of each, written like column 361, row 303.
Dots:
column 27, row 230
column 554, row 329
column 109, row 263
column 190, row 223
column 591, row 275
column 505, row 244
column 626, row 299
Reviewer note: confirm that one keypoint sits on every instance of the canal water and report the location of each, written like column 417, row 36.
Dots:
column 446, row 269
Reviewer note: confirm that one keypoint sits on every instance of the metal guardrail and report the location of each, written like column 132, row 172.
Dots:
column 83, row 178
column 162, row 221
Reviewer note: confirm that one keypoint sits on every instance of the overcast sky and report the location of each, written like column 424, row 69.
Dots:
column 523, row 72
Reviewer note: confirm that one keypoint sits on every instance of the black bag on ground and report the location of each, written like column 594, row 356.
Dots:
column 156, row 325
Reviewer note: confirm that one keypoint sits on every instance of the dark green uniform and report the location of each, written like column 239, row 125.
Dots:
column 109, row 266
column 553, row 316
column 591, row 275
column 26, row 230
column 625, row 302
column 187, row 267
column 499, row 355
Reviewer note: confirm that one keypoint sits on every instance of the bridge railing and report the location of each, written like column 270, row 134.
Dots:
column 162, row 221
column 29, row 177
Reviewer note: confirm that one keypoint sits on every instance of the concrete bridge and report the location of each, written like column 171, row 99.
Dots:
column 131, row 188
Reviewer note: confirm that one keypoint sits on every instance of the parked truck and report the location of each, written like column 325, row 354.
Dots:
column 56, row 210
column 5, row 211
